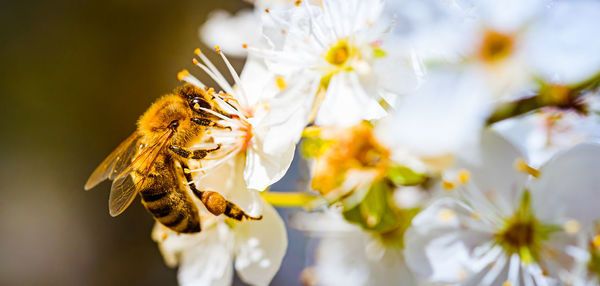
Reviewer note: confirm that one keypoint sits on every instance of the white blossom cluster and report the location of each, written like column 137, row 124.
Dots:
column 450, row 142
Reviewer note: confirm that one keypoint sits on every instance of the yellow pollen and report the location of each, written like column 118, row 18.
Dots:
column 338, row 54
column 312, row 131
column 446, row 215
column 596, row 241
column 280, row 82
column 196, row 106
column 506, row 283
column 267, row 10
column 447, row 185
column 218, row 49
column 182, row 75
column 464, row 176
column 195, row 61
column 522, row 166
column 164, row 237
column 197, row 51
column 186, row 170
column 298, row 2
column 245, row 46
column 495, row 47
column 572, row 227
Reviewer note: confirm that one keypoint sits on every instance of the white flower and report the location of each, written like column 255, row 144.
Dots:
column 255, row 249
column 339, row 46
column 504, row 226
column 515, row 43
column 256, row 133
column 347, row 255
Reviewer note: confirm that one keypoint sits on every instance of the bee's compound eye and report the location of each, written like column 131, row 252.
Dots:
column 199, row 102
column 174, row 124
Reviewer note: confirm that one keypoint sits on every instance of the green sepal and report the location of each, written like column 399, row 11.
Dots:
column 404, row 176
column 314, row 147
column 374, row 212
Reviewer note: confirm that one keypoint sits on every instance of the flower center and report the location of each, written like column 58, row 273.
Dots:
column 523, row 234
column 495, row 46
column 338, row 54
column 344, row 150
column 231, row 133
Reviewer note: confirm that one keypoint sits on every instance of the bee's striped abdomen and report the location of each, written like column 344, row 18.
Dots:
column 170, row 206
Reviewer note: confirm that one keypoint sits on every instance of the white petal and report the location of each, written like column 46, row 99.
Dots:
column 341, row 260
column 261, row 246
column 492, row 167
column 258, row 82
column 569, row 186
column 272, row 147
column 508, row 15
column 442, row 241
column 230, row 32
column 561, row 48
column 228, row 180
column 209, row 262
column 347, row 103
column 443, row 115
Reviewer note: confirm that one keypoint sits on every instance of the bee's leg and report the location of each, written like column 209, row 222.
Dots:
column 216, row 203
column 208, row 123
column 189, row 154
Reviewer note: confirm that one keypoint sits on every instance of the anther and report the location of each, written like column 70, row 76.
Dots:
column 596, row 241
column 522, row 166
column 182, row 75
column 298, row 2
column 280, row 82
column 186, row 170
column 197, row 51
column 447, row 185
column 572, row 227
column 195, row 61
column 506, row 283
column 446, row 215
column 218, row 49
column 196, row 106
column 464, row 176
column 245, row 46
column 267, row 10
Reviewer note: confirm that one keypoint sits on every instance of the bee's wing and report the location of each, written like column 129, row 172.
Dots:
column 115, row 163
column 127, row 183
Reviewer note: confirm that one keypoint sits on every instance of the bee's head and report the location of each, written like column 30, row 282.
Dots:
column 169, row 112
column 195, row 97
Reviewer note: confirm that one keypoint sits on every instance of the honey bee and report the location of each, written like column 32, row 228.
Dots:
column 152, row 162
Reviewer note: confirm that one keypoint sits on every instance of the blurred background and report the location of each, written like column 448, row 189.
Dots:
column 75, row 76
